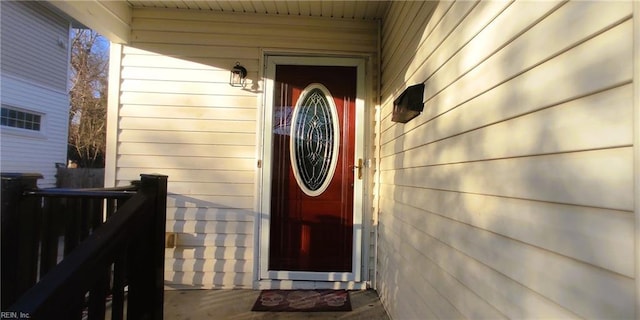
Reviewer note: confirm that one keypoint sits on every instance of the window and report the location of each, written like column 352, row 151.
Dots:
column 315, row 139
column 20, row 119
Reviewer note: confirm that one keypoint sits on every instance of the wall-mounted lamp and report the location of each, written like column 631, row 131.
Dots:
column 409, row 104
column 238, row 75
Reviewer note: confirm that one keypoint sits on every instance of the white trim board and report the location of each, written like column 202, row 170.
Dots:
column 636, row 146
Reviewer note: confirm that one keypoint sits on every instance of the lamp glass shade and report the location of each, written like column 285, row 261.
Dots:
column 238, row 76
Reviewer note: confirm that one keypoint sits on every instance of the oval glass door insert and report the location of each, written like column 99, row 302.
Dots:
column 315, row 138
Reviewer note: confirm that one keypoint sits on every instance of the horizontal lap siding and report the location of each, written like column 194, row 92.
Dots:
column 34, row 44
column 179, row 116
column 25, row 151
column 34, row 67
column 514, row 188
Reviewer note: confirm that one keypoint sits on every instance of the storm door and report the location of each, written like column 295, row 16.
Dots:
column 314, row 171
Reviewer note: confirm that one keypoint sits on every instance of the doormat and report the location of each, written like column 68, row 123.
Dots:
column 303, row 300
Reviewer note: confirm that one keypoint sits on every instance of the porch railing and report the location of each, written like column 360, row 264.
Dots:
column 66, row 252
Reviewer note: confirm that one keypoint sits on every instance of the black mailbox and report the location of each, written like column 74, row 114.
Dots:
column 409, row 104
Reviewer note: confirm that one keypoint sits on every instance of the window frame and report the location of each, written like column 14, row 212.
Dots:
column 23, row 131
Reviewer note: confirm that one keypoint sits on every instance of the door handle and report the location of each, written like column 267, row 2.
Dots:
column 359, row 166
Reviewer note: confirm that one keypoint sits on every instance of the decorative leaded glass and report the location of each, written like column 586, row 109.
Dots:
column 314, row 139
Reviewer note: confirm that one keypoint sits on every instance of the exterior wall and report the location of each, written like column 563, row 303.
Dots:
column 511, row 195
column 178, row 116
column 34, row 66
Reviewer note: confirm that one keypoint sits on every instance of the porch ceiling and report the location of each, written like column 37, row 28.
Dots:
column 367, row 10
column 112, row 19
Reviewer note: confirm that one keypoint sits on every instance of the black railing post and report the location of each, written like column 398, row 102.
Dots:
column 160, row 229
column 19, row 236
column 146, row 260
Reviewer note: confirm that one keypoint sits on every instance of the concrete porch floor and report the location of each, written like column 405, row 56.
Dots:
column 236, row 304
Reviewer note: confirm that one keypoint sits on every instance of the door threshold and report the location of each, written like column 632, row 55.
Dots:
column 308, row 285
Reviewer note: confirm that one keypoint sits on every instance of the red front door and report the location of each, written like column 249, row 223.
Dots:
column 311, row 227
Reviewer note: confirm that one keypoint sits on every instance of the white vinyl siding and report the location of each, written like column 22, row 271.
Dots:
column 35, row 44
column 35, row 151
column 179, row 116
column 511, row 195
column 34, row 67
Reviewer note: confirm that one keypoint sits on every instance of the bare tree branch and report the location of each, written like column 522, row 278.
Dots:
column 88, row 94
